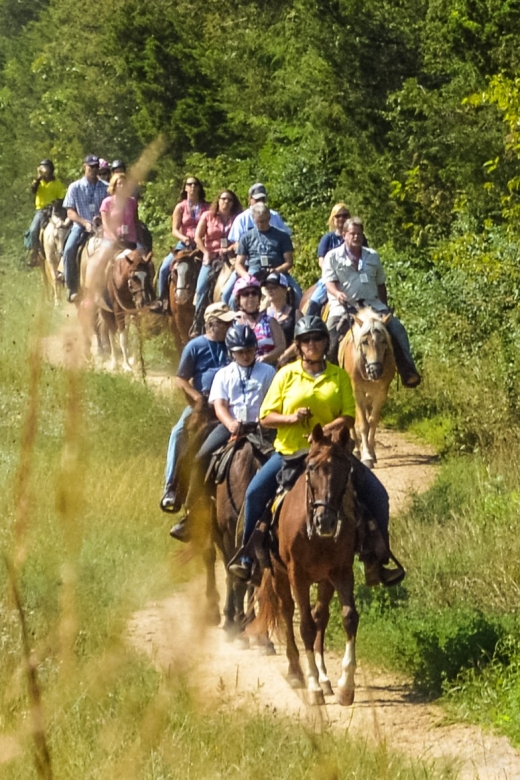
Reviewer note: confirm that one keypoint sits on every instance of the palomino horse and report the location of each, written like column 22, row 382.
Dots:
column 367, row 356
column 183, row 282
column 53, row 238
column 317, row 542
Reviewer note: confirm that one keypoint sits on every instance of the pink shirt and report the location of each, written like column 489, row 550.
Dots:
column 216, row 230
column 121, row 221
column 190, row 217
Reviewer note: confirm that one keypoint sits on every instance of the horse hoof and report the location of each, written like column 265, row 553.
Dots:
column 295, row 682
column 326, row 687
column 345, row 696
column 267, row 648
column 316, row 698
column 368, row 462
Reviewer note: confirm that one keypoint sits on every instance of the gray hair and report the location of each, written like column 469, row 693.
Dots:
column 353, row 222
column 259, row 210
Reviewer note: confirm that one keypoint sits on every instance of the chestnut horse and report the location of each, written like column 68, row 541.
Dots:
column 317, row 542
column 184, row 271
column 367, row 356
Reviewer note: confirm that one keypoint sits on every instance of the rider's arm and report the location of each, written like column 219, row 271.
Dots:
column 279, row 343
column 334, row 288
column 225, row 416
column 240, row 267
column 287, row 264
column 73, row 215
column 177, row 223
column 382, row 293
column 200, row 233
column 36, row 184
column 183, row 384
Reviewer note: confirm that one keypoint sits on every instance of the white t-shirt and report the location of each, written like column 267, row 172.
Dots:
column 243, row 388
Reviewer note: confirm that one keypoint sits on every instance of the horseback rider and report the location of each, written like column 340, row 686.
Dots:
column 354, row 278
column 331, row 240
column 200, row 360
column 269, row 334
column 186, row 215
column 311, row 390
column 46, row 188
column 237, row 393
column 82, row 201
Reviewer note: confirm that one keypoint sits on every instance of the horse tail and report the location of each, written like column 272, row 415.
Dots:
column 268, row 609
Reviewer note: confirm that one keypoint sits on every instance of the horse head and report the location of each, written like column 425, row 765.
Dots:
column 372, row 342
column 139, row 274
column 184, row 271
column 327, row 473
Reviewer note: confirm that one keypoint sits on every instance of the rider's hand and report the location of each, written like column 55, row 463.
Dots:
column 186, row 240
column 301, row 415
column 341, row 297
column 88, row 227
column 206, row 258
column 234, row 427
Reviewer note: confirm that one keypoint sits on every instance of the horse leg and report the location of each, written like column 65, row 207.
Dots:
column 212, row 612
column 123, row 343
column 377, row 404
column 282, row 588
column 346, row 685
column 320, row 615
column 308, row 634
column 362, row 428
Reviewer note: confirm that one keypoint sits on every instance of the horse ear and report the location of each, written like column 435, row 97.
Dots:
column 344, row 436
column 386, row 319
column 317, row 433
column 148, row 257
column 358, row 320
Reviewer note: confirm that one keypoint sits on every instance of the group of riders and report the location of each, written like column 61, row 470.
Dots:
column 255, row 328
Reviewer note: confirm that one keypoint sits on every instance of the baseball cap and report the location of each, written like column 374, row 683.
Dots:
column 91, row 159
column 219, row 311
column 257, row 191
column 276, row 278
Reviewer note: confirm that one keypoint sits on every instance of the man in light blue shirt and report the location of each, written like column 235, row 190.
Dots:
column 82, row 201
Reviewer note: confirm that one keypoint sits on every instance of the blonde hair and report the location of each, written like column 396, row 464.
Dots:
column 337, row 207
column 113, row 182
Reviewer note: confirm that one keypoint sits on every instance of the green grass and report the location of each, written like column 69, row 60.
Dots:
column 81, row 468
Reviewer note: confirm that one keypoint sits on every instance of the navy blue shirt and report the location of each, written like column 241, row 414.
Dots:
column 329, row 241
column 200, row 361
column 271, row 243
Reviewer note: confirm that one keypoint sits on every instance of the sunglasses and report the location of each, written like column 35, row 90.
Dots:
column 341, row 216
column 249, row 294
column 315, row 339
column 192, row 184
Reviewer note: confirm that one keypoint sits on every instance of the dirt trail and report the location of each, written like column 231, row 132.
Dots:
column 228, row 675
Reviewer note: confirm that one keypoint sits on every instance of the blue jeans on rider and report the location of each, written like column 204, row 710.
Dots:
column 177, row 442
column 317, row 299
column 217, row 438
column 262, row 489
column 70, row 260
column 202, row 286
column 398, row 333
column 162, row 276
column 35, row 228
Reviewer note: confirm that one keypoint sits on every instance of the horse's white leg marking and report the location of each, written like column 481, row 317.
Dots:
column 123, row 342
column 348, row 665
column 113, row 351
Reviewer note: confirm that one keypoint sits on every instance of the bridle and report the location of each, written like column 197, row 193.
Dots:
column 313, row 504
column 368, row 369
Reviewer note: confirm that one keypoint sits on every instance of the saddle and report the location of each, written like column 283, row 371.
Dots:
column 220, row 462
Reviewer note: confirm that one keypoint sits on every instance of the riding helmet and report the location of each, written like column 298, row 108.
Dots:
column 118, row 164
column 310, row 324
column 240, row 337
column 246, row 283
column 47, row 164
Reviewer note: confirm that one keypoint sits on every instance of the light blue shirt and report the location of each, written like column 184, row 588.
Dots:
column 85, row 198
column 244, row 222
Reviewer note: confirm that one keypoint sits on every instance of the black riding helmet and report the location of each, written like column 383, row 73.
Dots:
column 240, row 337
column 310, row 324
column 118, row 164
column 47, row 164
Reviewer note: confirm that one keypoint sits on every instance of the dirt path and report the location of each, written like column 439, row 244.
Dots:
column 227, row 675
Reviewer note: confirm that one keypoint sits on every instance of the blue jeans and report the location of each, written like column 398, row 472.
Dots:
column 227, row 290
column 177, row 442
column 35, row 228
column 262, row 489
column 70, row 260
column 202, row 286
column 162, row 277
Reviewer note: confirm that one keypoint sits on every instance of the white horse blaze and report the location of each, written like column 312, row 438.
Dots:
column 181, row 294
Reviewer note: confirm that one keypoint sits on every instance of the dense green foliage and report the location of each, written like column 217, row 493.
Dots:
column 409, row 111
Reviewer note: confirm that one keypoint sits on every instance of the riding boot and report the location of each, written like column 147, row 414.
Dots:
column 181, row 530
column 169, row 502
column 406, row 367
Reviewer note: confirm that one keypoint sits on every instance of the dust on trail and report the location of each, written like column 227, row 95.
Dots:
column 172, row 633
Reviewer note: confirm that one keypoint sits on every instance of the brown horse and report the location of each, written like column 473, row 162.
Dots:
column 367, row 356
column 317, row 542
column 184, row 272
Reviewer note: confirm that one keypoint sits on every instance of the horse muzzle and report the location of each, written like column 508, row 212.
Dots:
column 182, row 297
column 324, row 520
column 374, row 371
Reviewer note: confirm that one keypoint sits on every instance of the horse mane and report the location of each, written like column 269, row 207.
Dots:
column 366, row 319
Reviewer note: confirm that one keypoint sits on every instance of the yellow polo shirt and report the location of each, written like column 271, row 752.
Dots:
column 47, row 192
column 328, row 396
